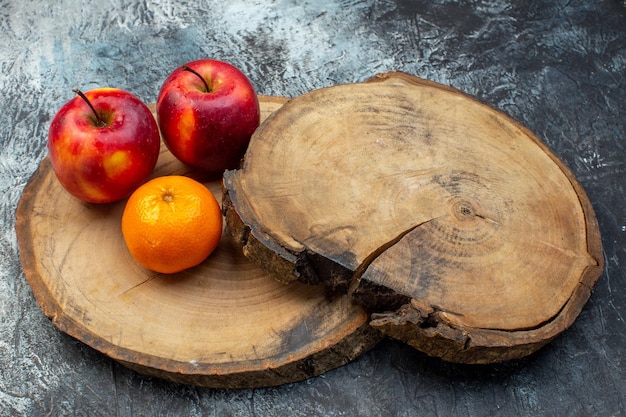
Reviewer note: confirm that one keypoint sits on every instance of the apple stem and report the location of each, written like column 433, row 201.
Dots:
column 186, row 68
column 99, row 121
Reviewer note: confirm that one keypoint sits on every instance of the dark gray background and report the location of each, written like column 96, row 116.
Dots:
column 557, row 66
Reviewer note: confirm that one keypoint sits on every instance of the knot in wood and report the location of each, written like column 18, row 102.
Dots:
column 463, row 210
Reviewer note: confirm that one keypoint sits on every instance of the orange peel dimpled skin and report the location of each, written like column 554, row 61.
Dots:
column 171, row 223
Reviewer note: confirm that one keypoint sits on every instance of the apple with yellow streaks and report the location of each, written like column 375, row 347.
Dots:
column 207, row 110
column 103, row 144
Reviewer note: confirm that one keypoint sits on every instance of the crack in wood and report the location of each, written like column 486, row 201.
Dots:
column 150, row 278
column 360, row 270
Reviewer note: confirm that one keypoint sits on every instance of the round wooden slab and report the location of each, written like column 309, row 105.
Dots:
column 222, row 324
column 458, row 227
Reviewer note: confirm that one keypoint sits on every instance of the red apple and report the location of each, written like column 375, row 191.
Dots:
column 103, row 144
column 207, row 111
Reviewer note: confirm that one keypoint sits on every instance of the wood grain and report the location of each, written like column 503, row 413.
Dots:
column 222, row 324
column 457, row 226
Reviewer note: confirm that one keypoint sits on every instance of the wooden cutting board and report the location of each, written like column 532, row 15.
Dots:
column 224, row 324
column 464, row 234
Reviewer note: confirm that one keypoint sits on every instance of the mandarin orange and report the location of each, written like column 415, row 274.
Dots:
column 171, row 223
